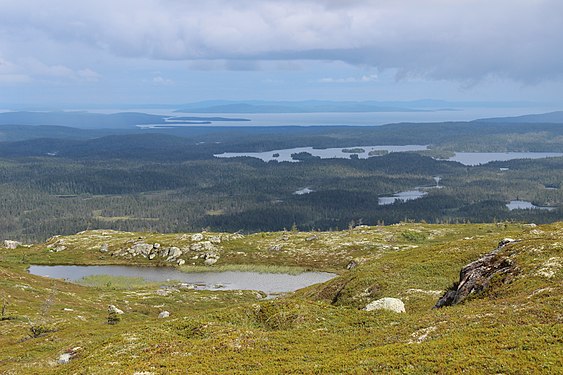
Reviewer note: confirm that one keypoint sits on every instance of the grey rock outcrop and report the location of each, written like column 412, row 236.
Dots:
column 9, row 244
column 203, row 246
column 476, row 276
column 173, row 254
column 143, row 249
column 387, row 303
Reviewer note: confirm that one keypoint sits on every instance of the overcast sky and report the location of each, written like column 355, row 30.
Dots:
column 70, row 52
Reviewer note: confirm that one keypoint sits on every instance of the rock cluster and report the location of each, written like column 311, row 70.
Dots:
column 57, row 246
column 476, row 276
column 206, row 247
column 9, row 244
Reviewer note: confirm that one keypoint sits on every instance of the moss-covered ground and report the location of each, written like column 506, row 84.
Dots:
column 512, row 328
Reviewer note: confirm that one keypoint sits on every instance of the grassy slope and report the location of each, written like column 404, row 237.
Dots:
column 513, row 328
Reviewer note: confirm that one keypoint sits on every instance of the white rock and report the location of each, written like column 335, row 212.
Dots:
column 210, row 261
column 197, row 237
column 9, row 244
column 387, row 303
column 64, row 358
column 164, row 314
column 181, row 262
column 114, row 309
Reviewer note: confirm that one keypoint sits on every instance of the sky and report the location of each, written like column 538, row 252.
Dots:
column 107, row 53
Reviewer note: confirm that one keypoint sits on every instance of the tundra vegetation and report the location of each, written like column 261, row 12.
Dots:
column 513, row 326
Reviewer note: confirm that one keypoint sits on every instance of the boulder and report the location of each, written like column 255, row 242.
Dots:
column 143, row 249
column 67, row 356
column 275, row 247
column 114, row 309
column 9, row 244
column 164, row 314
column 476, row 276
column 181, row 262
column 216, row 240
column 104, row 248
column 210, row 261
column 173, row 254
column 387, row 303
column 351, row 265
column 203, row 246
column 197, row 237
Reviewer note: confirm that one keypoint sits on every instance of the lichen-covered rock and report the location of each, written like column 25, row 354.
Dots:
column 210, row 261
column 114, row 309
column 104, row 248
column 216, row 240
column 275, row 247
column 476, row 276
column 203, row 246
column 143, row 249
column 173, row 254
column 387, row 303
column 197, row 237
column 351, row 265
column 9, row 244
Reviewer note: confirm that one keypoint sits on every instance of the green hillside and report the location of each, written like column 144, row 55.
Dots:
column 512, row 327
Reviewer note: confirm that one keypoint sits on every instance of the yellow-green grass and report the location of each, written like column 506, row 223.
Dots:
column 512, row 328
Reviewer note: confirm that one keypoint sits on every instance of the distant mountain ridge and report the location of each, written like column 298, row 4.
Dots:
column 550, row 117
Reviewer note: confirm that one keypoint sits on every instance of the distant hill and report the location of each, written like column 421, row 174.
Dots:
column 87, row 120
column 82, row 120
column 151, row 146
column 551, row 117
column 310, row 106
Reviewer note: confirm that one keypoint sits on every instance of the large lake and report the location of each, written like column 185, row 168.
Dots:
column 269, row 283
column 323, row 153
column 476, row 158
column 465, row 158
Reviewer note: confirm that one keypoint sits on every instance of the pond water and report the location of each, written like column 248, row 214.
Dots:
column 402, row 196
column 476, row 158
column 303, row 191
column 269, row 283
column 525, row 205
column 323, row 153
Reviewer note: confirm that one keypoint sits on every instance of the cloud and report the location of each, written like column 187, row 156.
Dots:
column 161, row 81
column 463, row 40
column 362, row 79
column 33, row 70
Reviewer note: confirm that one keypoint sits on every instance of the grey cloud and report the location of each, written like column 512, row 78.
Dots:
column 454, row 40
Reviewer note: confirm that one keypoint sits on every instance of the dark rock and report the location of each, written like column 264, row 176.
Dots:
column 351, row 265
column 476, row 276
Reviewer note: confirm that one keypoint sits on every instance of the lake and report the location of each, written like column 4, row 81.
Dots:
column 525, row 205
column 402, row 196
column 269, row 283
column 476, row 158
column 323, row 153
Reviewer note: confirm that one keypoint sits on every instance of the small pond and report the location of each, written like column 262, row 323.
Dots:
column 525, row 205
column 402, row 196
column 269, row 283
